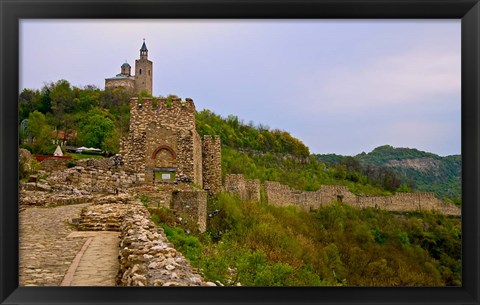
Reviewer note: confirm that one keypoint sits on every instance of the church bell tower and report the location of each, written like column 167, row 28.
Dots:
column 143, row 71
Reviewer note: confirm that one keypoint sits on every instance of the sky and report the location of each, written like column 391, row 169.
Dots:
column 340, row 86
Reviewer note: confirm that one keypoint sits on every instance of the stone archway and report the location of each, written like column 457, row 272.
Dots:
column 165, row 157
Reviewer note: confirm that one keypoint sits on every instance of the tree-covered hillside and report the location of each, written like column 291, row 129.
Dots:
column 256, row 244
column 419, row 170
column 284, row 158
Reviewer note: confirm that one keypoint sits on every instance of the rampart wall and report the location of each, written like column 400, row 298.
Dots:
column 147, row 258
column 282, row 195
column 185, row 200
column 246, row 189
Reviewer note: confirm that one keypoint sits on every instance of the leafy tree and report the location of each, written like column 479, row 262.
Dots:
column 45, row 101
column 39, row 133
column 61, row 96
column 27, row 103
column 96, row 130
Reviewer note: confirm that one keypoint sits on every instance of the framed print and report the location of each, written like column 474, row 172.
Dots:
column 233, row 152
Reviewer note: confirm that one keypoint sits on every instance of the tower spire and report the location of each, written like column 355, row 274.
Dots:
column 144, row 51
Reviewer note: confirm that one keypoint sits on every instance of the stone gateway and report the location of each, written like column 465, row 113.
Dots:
column 163, row 140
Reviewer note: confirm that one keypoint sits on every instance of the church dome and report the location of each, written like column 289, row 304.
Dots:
column 125, row 65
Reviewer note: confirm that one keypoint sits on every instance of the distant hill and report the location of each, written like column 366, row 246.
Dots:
column 422, row 171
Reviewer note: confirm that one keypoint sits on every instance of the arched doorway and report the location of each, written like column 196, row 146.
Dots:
column 165, row 164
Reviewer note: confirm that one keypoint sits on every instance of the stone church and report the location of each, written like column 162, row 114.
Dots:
column 141, row 81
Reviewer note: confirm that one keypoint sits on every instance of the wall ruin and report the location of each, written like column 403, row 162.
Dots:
column 282, row 195
column 54, row 164
column 212, row 164
column 95, row 180
column 246, row 189
column 193, row 204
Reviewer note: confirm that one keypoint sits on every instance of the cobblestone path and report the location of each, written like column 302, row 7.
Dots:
column 45, row 251
column 96, row 264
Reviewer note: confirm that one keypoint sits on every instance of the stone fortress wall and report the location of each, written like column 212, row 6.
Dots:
column 96, row 179
column 246, row 189
column 211, row 162
column 282, row 195
column 194, row 204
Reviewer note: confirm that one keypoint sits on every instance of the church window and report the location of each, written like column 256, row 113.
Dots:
column 140, row 71
column 148, row 72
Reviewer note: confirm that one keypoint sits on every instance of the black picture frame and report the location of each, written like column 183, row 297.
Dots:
column 12, row 11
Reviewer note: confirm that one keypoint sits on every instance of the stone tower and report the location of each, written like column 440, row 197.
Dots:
column 143, row 71
column 163, row 139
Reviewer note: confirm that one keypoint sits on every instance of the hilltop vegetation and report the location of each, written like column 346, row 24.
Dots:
column 86, row 116
column 238, row 135
column 285, row 159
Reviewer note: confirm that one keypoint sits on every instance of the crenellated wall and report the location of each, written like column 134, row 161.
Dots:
column 246, row 189
column 176, row 113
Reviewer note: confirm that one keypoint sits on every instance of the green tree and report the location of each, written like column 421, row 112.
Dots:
column 96, row 129
column 39, row 132
column 27, row 103
column 62, row 102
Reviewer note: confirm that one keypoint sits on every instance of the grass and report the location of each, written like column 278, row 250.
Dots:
column 77, row 156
